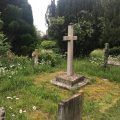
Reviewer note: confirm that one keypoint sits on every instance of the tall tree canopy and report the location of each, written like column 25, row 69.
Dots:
column 18, row 25
column 93, row 19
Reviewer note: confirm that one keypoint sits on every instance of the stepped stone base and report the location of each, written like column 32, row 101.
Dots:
column 70, row 82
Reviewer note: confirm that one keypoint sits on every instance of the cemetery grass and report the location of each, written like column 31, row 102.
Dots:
column 28, row 95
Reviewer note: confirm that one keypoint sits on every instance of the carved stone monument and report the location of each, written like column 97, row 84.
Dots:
column 10, row 55
column 2, row 113
column 106, row 55
column 70, row 80
column 71, row 109
column 35, row 55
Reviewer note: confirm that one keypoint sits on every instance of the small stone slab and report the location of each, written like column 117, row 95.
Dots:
column 70, row 82
column 71, row 109
column 2, row 113
column 115, row 63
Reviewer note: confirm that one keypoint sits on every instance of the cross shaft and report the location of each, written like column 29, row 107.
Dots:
column 70, row 39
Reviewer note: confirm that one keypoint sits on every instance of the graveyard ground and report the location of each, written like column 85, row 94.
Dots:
column 29, row 96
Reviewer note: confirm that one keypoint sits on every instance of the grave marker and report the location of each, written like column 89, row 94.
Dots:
column 35, row 55
column 70, row 80
column 2, row 113
column 71, row 109
column 106, row 55
column 70, row 39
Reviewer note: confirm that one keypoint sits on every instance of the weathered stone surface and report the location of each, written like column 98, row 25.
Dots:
column 71, row 109
column 2, row 113
column 35, row 55
column 70, row 82
column 70, row 39
column 106, row 55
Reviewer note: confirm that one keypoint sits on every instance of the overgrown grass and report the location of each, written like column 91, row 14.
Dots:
column 84, row 66
column 18, row 91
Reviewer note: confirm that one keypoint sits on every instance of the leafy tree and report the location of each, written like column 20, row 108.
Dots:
column 18, row 25
column 4, row 46
column 84, row 15
column 111, row 33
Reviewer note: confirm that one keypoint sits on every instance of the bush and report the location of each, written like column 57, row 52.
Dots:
column 48, row 44
column 50, row 57
column 4, row 46
column 1, row 24
column 98, row 53
column 114, row 51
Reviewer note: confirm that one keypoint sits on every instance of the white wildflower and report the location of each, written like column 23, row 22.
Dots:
column 17, row 98
column 24, row 111
column 13, row 115
column 10, row 108
column 20, row 111
column 9, row 98
column 34, row 108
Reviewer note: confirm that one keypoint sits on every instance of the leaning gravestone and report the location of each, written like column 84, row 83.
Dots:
column 71, row 109
column 70, row 80
column 10, row 55
column 2, row 113
column 106, row 55
column 35, row 55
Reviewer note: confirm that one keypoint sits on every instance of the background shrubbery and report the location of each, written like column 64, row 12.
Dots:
column 49, row 53
column 114, row 51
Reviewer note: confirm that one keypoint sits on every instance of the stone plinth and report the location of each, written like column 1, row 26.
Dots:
column 70, row 82
column 71, row 109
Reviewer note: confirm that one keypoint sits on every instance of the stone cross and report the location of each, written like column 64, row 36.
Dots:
column 71, row 109
column 35, row 55
column 106, row 54
column 2, row 114
column 70, row 39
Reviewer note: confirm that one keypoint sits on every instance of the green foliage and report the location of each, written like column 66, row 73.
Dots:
column 57, row 21
column 97, row 53
column 111, row 23
column 84, row 28
column 18, row 26
column 11, row 13
column 49, row 53
column 19, row 82
column 47, row 44
column 50, row 57
column 96, row 22
column 22, row 44
column 87, row 20
column 56, row 30
column 1, row 24
column 114, row 51
column 4, row 45
column 93, row 67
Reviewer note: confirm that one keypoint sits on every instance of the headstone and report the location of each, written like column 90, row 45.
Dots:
column 10, row 55
column 35, row 55
column 106, row 55
column 2, row 113
column 70, row 80
column 71, row 109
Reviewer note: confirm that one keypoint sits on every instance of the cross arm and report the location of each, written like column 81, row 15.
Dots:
column 70, row 38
